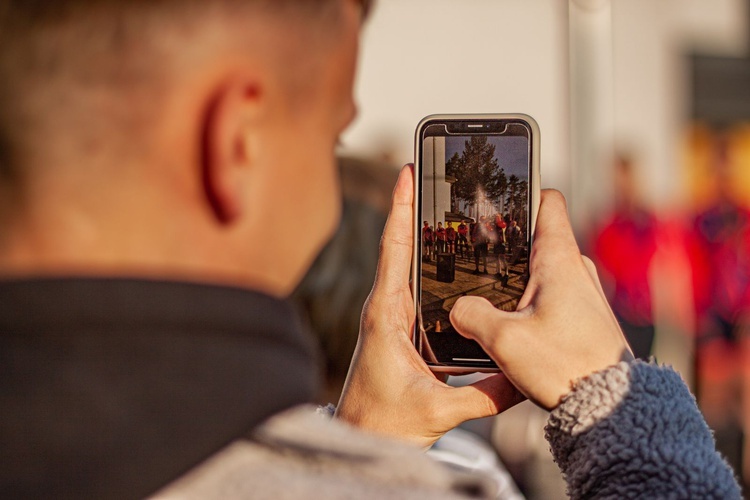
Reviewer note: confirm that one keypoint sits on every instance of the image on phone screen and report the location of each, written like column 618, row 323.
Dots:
column 474, row 230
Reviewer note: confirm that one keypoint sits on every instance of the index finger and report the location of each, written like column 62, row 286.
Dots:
column 553, row 237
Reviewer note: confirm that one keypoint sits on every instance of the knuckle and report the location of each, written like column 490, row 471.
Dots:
column 392, row 237
column 383, row 243
column 589, row 265
column 368, row 313
column 435, row 414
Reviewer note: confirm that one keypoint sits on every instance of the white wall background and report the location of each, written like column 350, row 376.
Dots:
column 421, row 57
column 436, row 191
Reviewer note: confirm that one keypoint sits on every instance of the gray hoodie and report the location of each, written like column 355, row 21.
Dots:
column 630, row 431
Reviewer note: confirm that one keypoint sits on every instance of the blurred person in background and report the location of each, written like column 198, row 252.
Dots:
column 336, row 286
column 719, row 249
column 624, row 248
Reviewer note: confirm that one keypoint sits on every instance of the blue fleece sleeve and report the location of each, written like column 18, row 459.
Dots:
column 635, row 431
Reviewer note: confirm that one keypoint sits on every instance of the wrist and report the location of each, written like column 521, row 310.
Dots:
column 593, row 401
column 366, row 419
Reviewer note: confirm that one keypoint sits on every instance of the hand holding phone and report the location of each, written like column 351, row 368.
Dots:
column 389, row 389
column 564, row 329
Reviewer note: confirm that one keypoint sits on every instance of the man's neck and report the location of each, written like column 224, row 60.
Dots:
column 135, row 243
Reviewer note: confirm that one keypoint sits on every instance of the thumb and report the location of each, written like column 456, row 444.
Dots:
column 485, row 398
column 396, row 244
column 476, row 318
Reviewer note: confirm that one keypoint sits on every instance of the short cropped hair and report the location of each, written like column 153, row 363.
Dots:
column 95, row 44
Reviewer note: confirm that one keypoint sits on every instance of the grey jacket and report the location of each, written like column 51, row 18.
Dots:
column 631, row 431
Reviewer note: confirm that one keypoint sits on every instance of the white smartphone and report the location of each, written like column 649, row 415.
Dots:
column 476, row 201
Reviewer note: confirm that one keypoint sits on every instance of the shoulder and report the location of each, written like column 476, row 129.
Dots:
column 300, row 454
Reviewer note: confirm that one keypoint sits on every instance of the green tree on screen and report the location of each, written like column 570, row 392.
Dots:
column 474, row 170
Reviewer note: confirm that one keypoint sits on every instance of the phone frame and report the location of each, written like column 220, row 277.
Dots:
column 534, row 200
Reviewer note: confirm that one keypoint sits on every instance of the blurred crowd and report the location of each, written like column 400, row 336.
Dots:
column 698, row 258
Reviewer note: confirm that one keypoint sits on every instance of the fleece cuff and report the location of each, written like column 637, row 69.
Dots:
column 634, row 430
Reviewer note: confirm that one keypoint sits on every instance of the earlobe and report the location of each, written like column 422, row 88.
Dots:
column 226, row 152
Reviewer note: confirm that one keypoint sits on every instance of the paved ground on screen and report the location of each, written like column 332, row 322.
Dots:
column 438, row 297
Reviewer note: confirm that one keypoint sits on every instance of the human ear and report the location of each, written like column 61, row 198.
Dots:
column 226, row 150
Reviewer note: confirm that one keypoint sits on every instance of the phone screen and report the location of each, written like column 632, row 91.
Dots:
column 474, row 217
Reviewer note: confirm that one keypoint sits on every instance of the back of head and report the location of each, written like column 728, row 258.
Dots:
column 144, row 111
column 98, row 69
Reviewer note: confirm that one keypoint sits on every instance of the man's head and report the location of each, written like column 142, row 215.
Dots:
column 159, row 136
column 440, row 224
column 426, row 224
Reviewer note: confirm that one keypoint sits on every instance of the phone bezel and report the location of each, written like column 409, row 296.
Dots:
column 459, row 120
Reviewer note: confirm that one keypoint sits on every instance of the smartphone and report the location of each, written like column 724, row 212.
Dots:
column 476, row 200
